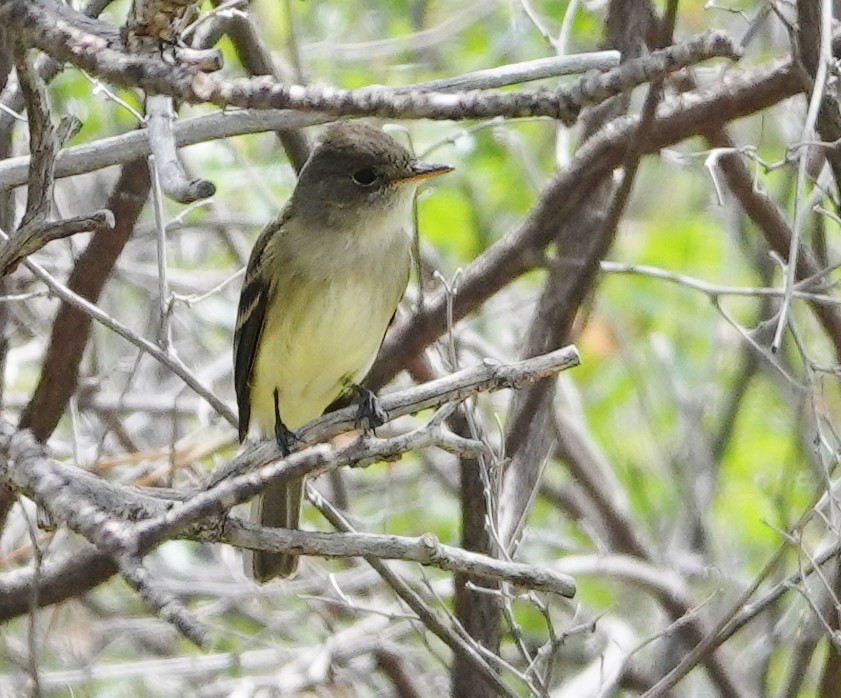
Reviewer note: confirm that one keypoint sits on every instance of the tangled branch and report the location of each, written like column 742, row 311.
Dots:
column 126, row 524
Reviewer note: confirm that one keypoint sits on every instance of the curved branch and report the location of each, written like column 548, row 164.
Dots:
column 174, row 181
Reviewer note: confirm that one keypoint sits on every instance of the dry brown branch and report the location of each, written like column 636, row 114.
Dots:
column 71, row 328
column 43, row 139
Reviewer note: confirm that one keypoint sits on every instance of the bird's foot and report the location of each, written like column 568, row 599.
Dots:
column 371, row 413
column 285, row 437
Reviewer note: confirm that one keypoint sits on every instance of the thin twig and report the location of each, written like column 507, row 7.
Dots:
column 808, row 135
column 526, row 71
column 461, row 646
column 144, row 345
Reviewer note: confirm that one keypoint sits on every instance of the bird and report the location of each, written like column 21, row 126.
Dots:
column 321, row 287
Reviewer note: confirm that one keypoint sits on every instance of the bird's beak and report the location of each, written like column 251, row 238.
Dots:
column 424, row 170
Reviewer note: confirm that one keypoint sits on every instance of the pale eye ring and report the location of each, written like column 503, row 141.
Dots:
column 364, row 177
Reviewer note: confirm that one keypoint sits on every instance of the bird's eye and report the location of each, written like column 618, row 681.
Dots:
column 364, row 177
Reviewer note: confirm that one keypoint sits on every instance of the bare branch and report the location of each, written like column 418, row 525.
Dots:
column 740, row 95
column 174, row 181
column 34, row 19
column 26, row 465
column 32, row 236
column 135, row 144
column 770, row 220
column 526, row 71
column 103, row 513
column 463, row 647
column 487, row 376
column 425, row 550
column 92, row 311
column 43, row 143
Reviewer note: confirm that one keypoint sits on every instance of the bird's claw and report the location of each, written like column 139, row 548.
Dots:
column 371, row 413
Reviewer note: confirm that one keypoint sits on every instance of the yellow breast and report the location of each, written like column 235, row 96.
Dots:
column 320, row 337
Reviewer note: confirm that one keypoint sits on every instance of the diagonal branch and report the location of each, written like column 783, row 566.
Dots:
column 71, row 327
column 485, row 377
column 520, row 250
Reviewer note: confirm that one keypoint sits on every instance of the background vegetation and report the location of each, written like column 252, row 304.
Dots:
column 685, row 474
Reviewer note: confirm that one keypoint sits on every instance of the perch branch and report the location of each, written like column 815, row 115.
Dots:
column 125, row 523
column 485, row 377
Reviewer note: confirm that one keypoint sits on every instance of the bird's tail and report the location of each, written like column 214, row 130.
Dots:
column 278, row 507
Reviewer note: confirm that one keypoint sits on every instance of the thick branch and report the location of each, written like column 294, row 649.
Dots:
column 71, row 327
column 34, row 19
column 747, row 93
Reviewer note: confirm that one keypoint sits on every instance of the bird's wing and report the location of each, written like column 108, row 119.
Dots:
column 251, row 314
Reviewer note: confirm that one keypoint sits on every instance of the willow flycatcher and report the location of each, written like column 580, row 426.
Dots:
column 321, row 287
